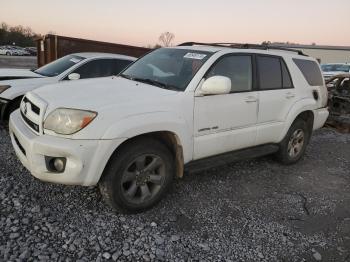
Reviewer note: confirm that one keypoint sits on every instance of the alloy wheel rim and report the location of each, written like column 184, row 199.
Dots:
column 143, row 178
column 296, row 143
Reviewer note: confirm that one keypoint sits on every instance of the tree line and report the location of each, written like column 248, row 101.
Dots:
column 17, row 35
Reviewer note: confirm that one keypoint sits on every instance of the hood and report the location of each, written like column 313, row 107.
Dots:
column 12, row 74
column 101, row 93
column 21, row 86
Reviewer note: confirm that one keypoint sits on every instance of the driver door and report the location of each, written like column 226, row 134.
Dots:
column 223, row 123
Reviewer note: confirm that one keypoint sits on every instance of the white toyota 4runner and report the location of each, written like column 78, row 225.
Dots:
column 189, row 106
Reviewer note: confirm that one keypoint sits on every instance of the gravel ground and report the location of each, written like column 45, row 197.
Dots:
column 252, row 210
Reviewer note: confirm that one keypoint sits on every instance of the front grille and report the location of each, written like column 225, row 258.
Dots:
column 35, row 109
column 19, row 145
column 34, row 126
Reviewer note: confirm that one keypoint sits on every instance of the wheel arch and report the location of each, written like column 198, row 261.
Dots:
column 6, row 112
column 168, row 138
column 301, row 110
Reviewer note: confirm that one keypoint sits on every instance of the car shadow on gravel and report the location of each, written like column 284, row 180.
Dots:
column 248, row 210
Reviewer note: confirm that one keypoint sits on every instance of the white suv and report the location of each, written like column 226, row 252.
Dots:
column 175, row 108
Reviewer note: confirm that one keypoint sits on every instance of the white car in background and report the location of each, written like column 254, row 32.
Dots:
column 330, row 70
column 14, row 83
column 5, row 50
column 20, row 51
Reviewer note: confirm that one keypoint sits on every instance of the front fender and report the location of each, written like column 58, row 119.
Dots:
column 140, row 124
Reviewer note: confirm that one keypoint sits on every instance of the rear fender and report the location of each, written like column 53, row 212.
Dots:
column 306, row 104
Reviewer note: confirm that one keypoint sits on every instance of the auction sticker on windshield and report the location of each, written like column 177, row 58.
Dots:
column 195, row 56
column 75, row 60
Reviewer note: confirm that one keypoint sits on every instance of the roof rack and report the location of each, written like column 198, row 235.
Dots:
column 244, row 46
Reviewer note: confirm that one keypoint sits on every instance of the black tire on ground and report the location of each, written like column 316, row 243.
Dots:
column 8, row 53
column 14, row 105
column 293, row 146
column 138, row 175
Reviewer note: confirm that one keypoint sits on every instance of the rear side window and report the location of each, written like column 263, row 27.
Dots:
column 270, row 74
column 287, row 81
column 273, row 73
column 310, row 70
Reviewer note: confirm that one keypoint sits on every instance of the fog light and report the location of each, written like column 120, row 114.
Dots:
column 55, row 164
column 59, row 164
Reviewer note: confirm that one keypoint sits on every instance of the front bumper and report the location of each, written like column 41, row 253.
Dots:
column 320, row 117
column 85, row 162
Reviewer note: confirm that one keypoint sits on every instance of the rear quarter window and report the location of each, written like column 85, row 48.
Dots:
column 310, row 70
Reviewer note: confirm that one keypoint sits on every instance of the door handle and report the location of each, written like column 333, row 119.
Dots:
column 290, row 95
column 251, row 99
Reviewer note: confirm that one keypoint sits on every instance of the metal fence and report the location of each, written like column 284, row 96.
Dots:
column 52, row 47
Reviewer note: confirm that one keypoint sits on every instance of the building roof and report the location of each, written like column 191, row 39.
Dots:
column 322, row 47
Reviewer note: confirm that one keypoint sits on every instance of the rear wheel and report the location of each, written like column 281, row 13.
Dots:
column 8, row 53
column 293, row 146
column 137, row 176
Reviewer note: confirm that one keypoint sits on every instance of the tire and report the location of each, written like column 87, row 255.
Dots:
column 8, row 53
column 14, row 105
column 137, row 176
column 293, row 146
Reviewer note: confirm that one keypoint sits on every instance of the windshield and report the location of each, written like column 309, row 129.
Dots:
column 335, row 67
column 59, row 66
column 168, row 68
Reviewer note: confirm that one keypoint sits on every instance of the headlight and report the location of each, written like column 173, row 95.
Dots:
column 3, row 88
column 66, row 121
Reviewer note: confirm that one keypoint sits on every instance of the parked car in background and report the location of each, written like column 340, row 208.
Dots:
column 32, row 50
column 14, row 83
column 330, row 70
column 339, row 95
column 21, row 51
column 189, row 106
column 8, row 50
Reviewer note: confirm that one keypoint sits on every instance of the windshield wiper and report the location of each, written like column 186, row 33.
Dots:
column 151, row 82
column 126, row 76
column 156, row 83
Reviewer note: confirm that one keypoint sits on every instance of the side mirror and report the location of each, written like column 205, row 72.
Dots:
column 73, row 76
column 216, row 85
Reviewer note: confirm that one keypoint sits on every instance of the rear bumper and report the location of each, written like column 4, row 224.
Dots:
column 320, row 117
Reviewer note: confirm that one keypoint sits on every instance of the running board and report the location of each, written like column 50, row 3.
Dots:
column 226, row 158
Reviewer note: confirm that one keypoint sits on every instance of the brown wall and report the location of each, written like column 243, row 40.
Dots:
column 51, row 47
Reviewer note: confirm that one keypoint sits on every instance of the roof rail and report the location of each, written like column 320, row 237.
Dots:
column 244, row 46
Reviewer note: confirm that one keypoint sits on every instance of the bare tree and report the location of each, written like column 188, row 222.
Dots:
column 166, row 38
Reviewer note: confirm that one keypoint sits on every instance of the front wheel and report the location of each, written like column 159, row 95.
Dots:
column 293, row 146
column 138, row 175
column 8, row 53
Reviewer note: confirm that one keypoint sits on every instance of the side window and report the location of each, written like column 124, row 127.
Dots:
column 238, row 68
column 270, row 74
column 101, row 68
column 287, row 81
column 310, row 70
column 95, row 68
column 120, row 65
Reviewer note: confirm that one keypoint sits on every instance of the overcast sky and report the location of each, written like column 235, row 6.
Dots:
column 140, row 22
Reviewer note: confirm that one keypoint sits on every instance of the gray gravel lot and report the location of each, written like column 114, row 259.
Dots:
column 26, row 62
column 252, row 210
